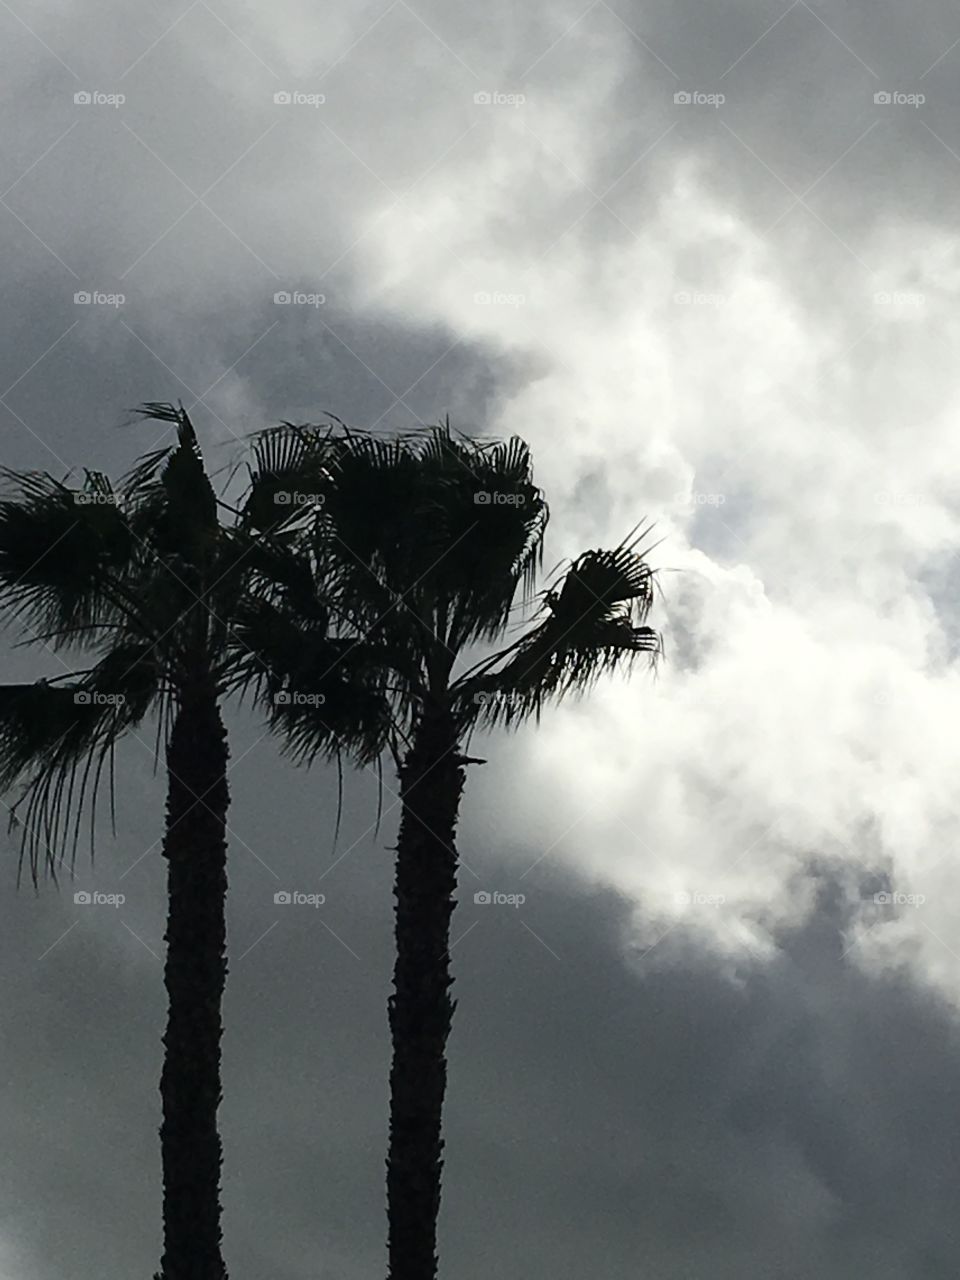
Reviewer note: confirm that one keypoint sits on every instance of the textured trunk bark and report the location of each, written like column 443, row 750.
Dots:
column 431, row 784
column 195, row 849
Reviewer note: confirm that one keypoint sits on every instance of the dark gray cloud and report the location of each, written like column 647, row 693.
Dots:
column 611, row 1097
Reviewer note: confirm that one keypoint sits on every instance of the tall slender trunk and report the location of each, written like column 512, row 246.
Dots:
column 195, row 848
column 431, row 783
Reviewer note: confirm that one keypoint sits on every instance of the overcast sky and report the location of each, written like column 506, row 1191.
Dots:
column 702, row 258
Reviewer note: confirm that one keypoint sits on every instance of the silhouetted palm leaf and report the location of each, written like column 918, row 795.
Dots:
column 592, row 625
column 61, row 549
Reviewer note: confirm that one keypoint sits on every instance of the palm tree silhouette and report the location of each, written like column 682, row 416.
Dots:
column 419, row 546
column 147, row 579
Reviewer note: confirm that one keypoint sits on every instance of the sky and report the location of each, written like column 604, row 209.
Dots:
column 702, row 258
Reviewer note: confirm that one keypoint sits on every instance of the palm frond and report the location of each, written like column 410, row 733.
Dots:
column 432, row 527
column 60, row 548
column 486, row 521
column 160, row 411
column 288, row 470
column 56, row 739
column 141, row 480
column 592, row 624
column 324, row 695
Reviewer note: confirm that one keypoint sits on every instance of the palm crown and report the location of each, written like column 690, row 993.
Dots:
column 420, row 546
column 145, row 579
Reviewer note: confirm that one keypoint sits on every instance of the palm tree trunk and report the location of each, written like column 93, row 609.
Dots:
column 431, row 784
column 195, row 849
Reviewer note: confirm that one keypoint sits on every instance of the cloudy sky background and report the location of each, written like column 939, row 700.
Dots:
column 736, row 320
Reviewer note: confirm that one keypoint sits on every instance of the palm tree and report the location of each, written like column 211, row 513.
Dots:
column 421, row 545
column 146, row 579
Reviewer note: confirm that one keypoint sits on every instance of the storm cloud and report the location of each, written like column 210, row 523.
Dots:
column 703, row 259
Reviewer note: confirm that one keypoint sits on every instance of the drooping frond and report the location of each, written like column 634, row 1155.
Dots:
column 287, row 476
column 58, row 738
column 142, row 476
column 61, row 548
column 591, row 624
column 283, row 569
column 344, row 498
column 324, row 695
column 484, row 525
column 140, row 481
column 161, row 411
